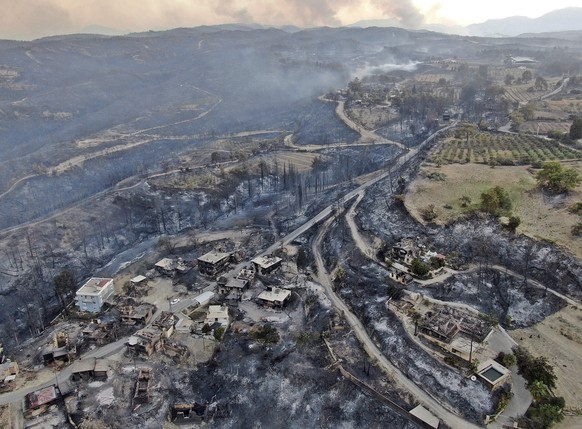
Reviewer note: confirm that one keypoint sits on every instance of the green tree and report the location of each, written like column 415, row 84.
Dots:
column 495, row 201
column 206, row 328
column 218, row 333
column 538, row 390
column 419, row 268
column 546, row 414
column 526, row 76
column 557, row 178
column 576, row 129
column 514, row 222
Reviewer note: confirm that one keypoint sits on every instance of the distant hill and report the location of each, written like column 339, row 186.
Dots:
column 568, row 19
column 439, row 28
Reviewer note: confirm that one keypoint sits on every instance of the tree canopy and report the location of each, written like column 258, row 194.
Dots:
column 495, row 201
column 557, row 178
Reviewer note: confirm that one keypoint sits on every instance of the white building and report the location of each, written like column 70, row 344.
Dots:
column 217, row 314
column 94, row 293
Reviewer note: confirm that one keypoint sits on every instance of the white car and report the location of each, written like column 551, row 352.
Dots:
column 175, row 301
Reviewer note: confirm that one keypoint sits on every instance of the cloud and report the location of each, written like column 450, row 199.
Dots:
column 35, row 18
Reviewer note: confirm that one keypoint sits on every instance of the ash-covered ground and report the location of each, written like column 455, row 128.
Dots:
column 364, row 289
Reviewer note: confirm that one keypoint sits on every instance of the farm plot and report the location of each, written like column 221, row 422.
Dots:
column 300, row 161
column 538, row 127
column 433, row 77
column 520, row 94
column 502, row 149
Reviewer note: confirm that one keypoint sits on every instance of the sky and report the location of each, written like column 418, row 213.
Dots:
column 29, row 19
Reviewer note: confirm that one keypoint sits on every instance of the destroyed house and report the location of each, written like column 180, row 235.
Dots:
column 188, row 413
column 42, row 397
column 93, row 294
column 233, row 286
column 60, row 350
column 265, row 265
column 142, row 386
column 441, row 326
column 144, row 341
column 405, row 251
column 400, row 276
column 131, row 315
column 165, row 323
column 139, row 281
column 8, row 372
column 275, row 297
column 213, row 263
column 165, row 266
column 97, row 333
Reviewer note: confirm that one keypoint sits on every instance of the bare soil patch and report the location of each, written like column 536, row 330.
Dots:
column 559, row 338
column 543, row 217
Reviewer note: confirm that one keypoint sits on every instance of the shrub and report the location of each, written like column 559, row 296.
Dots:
column 557, row 178
column 495, row 201
column 266, row 334
column 419, row 268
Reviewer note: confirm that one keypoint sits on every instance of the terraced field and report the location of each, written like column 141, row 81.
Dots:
column 502, row 149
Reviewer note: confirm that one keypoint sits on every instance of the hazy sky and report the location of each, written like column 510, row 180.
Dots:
column 25, row 19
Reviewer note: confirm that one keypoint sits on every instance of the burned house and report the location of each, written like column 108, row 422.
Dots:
column 265, row 265
column 165, row 266
column 142, row 386
column 177, row 352
column 61, row 350
column 274, row 297
column 165, row 323
column 139, row 281
column 233, row 287
column 139, row 315
column 90, row 369
column 39, row 400
column 188, row 413
column 144, row 342
column 405, row 251
column 98, row 333
column 138, row 286
column 213, row 263
column 8, row 372
column 457, row 332
column 400, row 276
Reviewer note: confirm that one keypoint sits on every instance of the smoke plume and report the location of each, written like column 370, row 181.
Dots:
column 28, row 19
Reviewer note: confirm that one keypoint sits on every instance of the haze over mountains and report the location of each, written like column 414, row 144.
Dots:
column 568, row 19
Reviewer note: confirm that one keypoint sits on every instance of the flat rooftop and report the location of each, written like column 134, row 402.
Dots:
column 275, row 295
column 166, row 264
column 213, row 257
column 236, row 283
column 266, row 261
column 138, row 279
column 94, row 286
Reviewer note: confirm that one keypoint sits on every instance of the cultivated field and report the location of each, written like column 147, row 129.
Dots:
column 542, row 217
column 301, row 161
column 542, row 127
column 502, row 148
